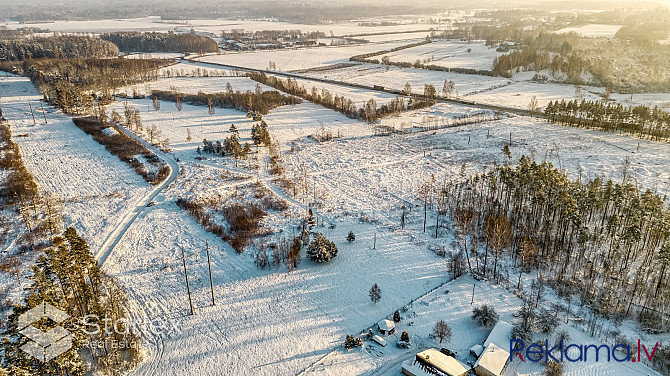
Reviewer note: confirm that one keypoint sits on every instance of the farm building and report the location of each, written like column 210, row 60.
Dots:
column 492, row 362
column 433, row 362
column 386, row 327
column 476, row 350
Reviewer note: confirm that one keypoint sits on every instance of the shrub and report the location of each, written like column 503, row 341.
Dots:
column 486, row 316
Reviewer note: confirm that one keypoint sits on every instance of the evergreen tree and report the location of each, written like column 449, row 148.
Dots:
column 351, row 237
column 321, row 250
column 375, row 293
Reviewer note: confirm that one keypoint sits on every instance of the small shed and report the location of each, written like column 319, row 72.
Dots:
column 379, row 340
column 386, row 327
column 492, row 362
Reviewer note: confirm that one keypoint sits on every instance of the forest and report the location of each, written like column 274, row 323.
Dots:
column 642, row 121
column 604, row 243
column 58, row 47
column 258, row 101
column 161, row 42
column 68, row 277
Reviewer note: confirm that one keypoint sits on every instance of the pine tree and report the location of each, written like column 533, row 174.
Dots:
column 375, row 293
column 351, row 237
column 396, row 316
column 321, row 250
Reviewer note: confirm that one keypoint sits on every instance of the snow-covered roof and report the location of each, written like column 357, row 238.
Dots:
column 500, row 335
column 445, row 363
column 477, row 350
column 386, row 325
column 493, row 359
column 379, row 340
column 414, row 369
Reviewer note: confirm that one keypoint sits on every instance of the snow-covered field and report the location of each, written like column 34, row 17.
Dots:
column 94, row 185
column 449, row 53
column 300, row 58
column 593, row 30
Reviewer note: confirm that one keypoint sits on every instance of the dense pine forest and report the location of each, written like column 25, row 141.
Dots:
column 604, row 242
column 58, row 47
column 69, row 278
column 642, row 121
column 161, row 42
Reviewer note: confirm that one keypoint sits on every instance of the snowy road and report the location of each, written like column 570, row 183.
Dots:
column 122, row 227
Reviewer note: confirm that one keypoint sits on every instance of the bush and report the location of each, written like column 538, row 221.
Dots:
column 486, row 316
column 554, row 369
column 404, row 336
column 350, row 342
column 321, row 249
column 351, row 237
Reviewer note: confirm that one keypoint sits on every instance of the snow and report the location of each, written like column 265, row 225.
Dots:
column 94, row 185
column 493, row 359
column 477, row 350
column 109, row 131
column 299, row 58
column 386, row 325
column 593, row 30
column 449, row 53
column 446, row 364
column 414, row 370
column 500, row 335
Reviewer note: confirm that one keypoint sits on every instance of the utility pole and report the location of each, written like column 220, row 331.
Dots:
column 209, row 265
column 374, row 244
column 473, row 294
column 32, row 113
column 45, row 114
column 188, row 287
column 402, row 222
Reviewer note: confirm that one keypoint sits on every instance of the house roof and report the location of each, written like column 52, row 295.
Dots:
column 493, row 359
column 445, row 363
column 500, row 335
column 386, row 325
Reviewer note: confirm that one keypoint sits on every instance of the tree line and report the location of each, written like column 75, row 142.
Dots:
column 642, row 121
column 75, row 85
column 56, row 47
column 606, row 243
column 133, row 41
column 257, row 101
column 370, row 112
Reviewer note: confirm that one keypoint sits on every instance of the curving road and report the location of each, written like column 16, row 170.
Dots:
column 122, row 227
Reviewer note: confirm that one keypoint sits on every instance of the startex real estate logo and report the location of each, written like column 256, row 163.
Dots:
column 579, row 352
column 44, row 345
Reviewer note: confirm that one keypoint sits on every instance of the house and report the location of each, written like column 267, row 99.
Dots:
column 500, row 335
column 492, row 362
column 433, row 362
column 386, row 327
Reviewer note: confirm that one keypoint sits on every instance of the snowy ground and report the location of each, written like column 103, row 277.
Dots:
column 300, row 58
column 93, row 184
column 593, row 30
column 449, row 53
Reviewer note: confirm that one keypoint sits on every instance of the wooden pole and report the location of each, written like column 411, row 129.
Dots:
column 188, row 287
column 45, row 114
column 374, row 244
column 473, row 294
column 209, row 265
column 32, row 113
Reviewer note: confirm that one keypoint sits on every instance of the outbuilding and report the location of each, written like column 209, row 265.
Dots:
column 386, row 327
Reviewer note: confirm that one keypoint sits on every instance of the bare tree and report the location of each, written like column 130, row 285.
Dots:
column 442, row 331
